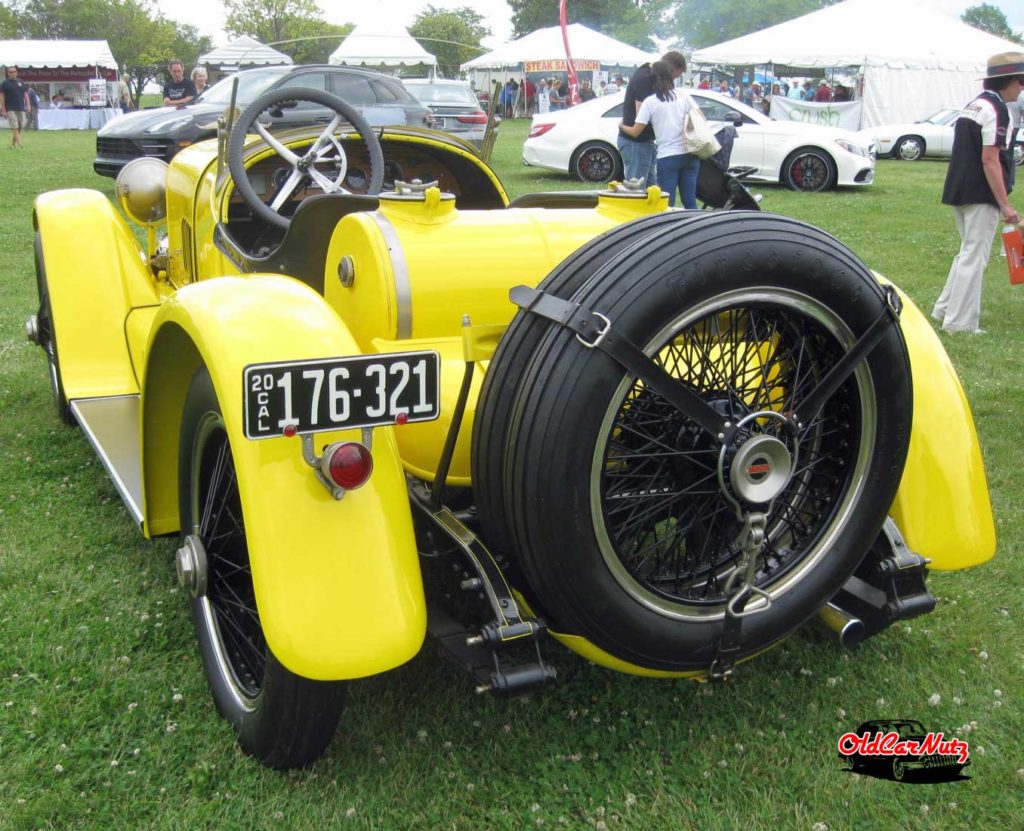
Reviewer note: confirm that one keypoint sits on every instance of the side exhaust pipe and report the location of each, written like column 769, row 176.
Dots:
column 849, row 628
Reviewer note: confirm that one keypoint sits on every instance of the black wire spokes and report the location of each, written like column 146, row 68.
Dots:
column 229, row 577
column 664, row 513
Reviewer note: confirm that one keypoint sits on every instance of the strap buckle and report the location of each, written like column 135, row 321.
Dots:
column 601, row 332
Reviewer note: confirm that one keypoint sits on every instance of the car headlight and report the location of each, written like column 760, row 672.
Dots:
column 168, row 125
column 852, row 147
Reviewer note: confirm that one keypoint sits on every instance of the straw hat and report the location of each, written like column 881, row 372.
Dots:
column 1004, row 64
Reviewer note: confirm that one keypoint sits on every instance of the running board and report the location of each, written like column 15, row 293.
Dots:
column 112, row 425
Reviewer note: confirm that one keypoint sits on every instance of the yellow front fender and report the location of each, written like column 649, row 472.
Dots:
column 97, row 274
column 338, row 584
column 942, row 506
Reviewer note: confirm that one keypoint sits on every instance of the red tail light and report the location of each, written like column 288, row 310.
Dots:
column 347, row 464
column 538, row 130
column 478, row 117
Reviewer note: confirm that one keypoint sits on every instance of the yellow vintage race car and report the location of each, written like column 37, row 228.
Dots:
column 376, row 398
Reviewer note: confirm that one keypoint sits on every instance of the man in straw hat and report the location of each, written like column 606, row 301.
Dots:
column 977, row 188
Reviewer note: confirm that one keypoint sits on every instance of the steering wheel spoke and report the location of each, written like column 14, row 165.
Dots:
column 322, row 161
column 287, row 189
column 326, row 136
column 279, row 148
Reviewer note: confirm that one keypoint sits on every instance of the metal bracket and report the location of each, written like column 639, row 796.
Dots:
column 480, row 650
column 310, row 457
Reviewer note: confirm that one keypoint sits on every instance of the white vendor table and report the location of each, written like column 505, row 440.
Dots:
column 91, row 119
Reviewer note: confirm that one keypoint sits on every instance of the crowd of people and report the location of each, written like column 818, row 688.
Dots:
column 527, row 96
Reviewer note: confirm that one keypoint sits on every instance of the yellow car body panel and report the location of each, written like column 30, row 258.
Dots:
column 93, row 284
column 405, row 292
column 338, row 583
column 942, row 506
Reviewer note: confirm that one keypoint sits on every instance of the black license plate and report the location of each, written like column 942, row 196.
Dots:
column 341, row 393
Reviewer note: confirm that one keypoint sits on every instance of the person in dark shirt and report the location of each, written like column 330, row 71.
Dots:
column 977, row 188
column 587, row 92
column 178, row 91
column 639, row 155
column 14, row 105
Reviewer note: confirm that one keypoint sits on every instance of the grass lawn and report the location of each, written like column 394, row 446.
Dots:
column 105, row 720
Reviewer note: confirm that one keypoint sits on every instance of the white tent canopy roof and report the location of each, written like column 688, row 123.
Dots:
column 39, row 54
column 368, row 45
column 893, row 33
column 245, row 51
column 546, row 44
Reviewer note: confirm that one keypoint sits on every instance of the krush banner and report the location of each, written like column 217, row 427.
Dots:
column 845, row 114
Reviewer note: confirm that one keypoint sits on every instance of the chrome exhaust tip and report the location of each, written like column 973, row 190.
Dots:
column 848, row 628
column 32, row 330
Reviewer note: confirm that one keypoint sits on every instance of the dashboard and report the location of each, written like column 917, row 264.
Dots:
column 402, row 162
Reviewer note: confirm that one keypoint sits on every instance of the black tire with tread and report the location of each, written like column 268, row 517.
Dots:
column 290, row 720
column 537, row 486
column 48, row 339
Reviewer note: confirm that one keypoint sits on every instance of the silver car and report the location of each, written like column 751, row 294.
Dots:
column 454, row 104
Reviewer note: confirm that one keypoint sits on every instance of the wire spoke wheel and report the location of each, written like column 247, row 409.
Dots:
column 666, row 531
column 230, row 601
column 284, row 720
column 47, row 338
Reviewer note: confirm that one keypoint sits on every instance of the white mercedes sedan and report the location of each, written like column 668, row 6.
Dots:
column 581, row 141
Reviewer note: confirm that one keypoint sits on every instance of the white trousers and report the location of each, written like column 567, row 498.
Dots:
column 959, row 305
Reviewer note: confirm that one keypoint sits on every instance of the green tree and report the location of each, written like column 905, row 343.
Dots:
column 632, row 21
column 274, row 21
column 451, row 35
column 699, row 23
column 990, row 19
column 8, row 22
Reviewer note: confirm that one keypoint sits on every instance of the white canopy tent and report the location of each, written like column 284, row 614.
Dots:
column 912, row 59
column 244, row 51
column 368, row 45
column 60, row 70
column 66, row 54
column 546, row 46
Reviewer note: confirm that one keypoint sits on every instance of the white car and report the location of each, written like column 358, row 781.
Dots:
column 932, row 136
column 582, row 141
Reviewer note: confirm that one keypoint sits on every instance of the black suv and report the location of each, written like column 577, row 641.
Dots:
column 163, row 131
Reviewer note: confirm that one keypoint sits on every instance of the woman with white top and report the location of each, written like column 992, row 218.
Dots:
column 666, row 111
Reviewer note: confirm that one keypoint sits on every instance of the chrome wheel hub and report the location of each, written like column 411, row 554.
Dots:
column 32, row 329
column 761, row 468
column 190, row 564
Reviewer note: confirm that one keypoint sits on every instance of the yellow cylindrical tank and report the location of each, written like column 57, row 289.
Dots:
column 406, row 275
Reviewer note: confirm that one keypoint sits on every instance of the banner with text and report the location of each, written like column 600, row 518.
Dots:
column 844, row 114
column 559, row 65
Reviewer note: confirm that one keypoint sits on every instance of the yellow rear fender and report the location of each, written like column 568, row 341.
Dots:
column 942, row 506
column 96, row 273
column 338, row 583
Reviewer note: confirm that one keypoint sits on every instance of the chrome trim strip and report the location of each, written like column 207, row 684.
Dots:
column 403, row 287
column 111, row 423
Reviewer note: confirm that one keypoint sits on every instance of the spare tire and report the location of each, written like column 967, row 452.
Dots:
column 609, row 493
